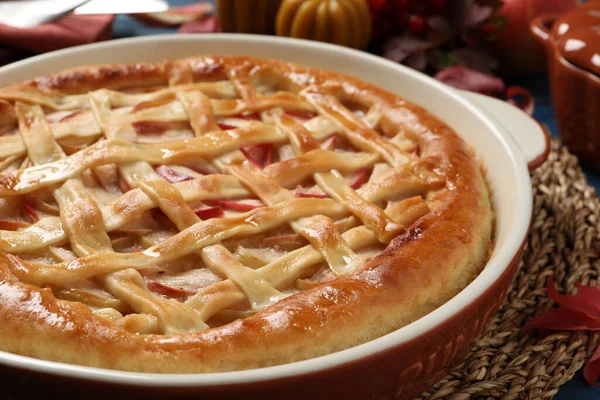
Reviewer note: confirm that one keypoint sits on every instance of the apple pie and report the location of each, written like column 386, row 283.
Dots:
column 225, row 213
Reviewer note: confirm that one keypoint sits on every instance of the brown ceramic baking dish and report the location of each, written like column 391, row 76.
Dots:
column 572, row 44
column 399, row 365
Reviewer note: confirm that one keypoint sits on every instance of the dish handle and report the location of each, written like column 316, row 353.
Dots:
column 540, row 27
column 531, row 137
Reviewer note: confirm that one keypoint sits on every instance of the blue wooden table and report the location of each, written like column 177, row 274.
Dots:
column 577, row 388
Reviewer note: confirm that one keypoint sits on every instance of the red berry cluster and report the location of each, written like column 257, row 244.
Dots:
column 395, row 16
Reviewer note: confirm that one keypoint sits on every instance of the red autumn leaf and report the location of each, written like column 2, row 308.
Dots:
column 578, row 312
column 233, row 205
column 401, row 48
column 591, row 371
column 258, row 154
column 578, row 302
column 171, row 175
column 564, row 319
column 479, row 82
column 470, row 79
column 362, row 178
column 521, row 98
column 589, row 293
column 208, row 213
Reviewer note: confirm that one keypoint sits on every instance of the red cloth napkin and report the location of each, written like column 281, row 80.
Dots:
column 70, row 30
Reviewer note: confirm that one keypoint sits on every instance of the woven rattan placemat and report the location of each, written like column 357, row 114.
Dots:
column 508, row 362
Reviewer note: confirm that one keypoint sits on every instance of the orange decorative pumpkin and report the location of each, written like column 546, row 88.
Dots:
column 344, row 22
column 247, row 16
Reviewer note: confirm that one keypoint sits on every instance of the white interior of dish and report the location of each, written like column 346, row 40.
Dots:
column 506, row 170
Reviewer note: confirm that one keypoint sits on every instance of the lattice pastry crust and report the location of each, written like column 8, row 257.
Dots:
column 217, row 214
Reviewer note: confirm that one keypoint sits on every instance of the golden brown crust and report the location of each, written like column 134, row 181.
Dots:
column 421, row 269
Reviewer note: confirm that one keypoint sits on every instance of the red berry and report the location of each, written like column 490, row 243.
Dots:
column 377, row 5
column 436, row 6
column 416, row 24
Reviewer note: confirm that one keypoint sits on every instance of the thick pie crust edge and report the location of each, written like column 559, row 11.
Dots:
column 439, row 255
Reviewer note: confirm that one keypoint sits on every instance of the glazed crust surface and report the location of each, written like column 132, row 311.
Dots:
column 420, row 269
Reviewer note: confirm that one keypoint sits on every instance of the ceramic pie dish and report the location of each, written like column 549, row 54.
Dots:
column 407, row 374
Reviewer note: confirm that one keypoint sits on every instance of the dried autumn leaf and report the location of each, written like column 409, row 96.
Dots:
column 590, row 293
column 577, row 312
column 591, row 371
column 564, row 319
column 399, row 48
column 469, row 79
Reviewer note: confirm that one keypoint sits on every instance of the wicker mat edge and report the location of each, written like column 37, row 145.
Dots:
column 508, row 362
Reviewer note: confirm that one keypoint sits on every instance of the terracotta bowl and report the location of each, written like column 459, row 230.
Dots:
column 399, row 365
column 572, row 44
